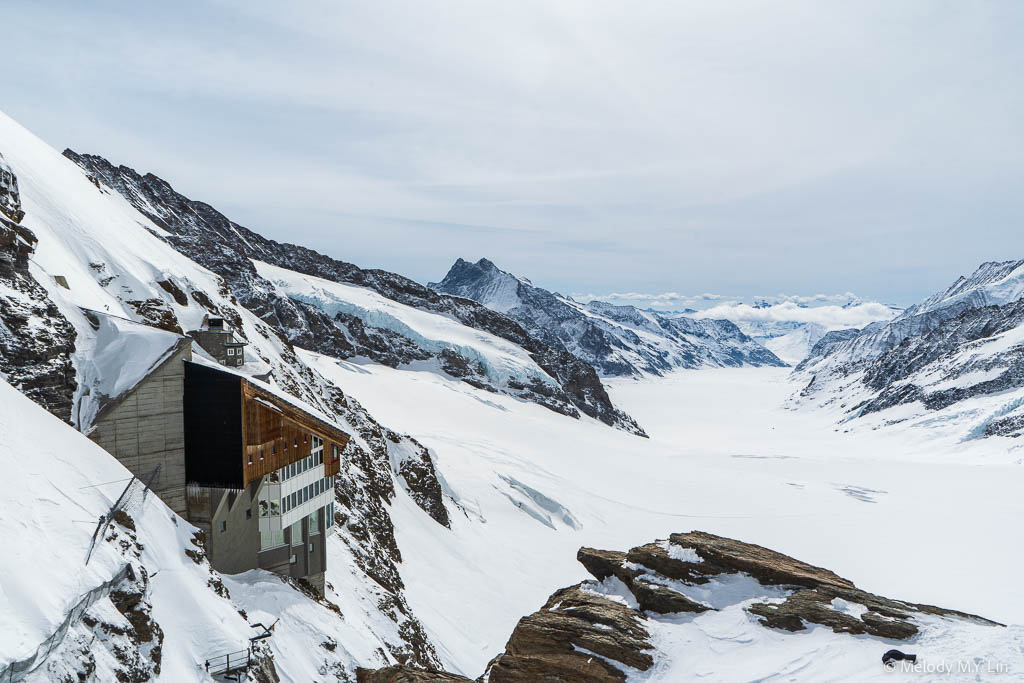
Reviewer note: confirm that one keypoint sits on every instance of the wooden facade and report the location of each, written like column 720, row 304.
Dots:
column 276, row 433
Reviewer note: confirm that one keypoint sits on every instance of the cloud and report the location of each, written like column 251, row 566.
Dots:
column 830, row 316
column 833, row 311
column 599, row 145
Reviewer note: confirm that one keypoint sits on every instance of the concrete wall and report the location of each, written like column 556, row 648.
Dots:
column 233, row 541
column 147, row 429
column 236, row 548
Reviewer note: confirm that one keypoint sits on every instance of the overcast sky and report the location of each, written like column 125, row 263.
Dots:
column 732, row 147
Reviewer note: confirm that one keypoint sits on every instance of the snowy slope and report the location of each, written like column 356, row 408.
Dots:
column 616, row 340
column 951, row 363
column 523, row 486
column 67, row 485
column 501, row 360
column 115, row 262
column 780, row 478
column 793, row 346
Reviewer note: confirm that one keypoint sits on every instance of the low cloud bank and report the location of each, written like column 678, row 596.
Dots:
column 833, row 311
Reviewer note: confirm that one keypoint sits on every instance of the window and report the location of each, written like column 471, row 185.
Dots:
column 223, row 526
column 248, row 513
column 297, row 533
column 272, row 539
column 275, row 507
column 314, row 522
column 250, row 459
column 223, row 362
column 231, row 352
column 291, row 560
column 238, row 362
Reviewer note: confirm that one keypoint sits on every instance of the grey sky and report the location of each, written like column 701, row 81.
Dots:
column 736, row 147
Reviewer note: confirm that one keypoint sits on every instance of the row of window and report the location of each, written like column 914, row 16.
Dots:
column 231, row 361
column 274, row 539
column 231, row 351
column 306, row 492
column 315, row 458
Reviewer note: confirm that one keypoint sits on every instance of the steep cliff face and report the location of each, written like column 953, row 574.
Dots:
column 84, row 251
column 36, row 340
column 228, row 249
column 615, row 340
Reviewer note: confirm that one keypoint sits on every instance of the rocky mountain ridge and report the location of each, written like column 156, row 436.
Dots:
column 211, row 239
column 962, row 343
column 616, row 340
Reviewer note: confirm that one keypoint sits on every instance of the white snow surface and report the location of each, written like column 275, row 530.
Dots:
column 724, row 456
column 501, row 359
column 526, row 488
column 123, row 353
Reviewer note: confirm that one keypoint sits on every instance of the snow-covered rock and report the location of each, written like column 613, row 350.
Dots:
column 230, row 250
column 954, row 359
column 616, row 340
column 698, row 605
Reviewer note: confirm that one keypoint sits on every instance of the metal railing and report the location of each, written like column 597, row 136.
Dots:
column 128, row 497
column 17, row 670
column 229, row 663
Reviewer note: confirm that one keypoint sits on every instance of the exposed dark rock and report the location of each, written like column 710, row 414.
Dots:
column 581, row 635
column 604, row 335
column 974, row 327
column 212, row 240
column 406, row 674
column 10, row 197
column 175, row 291
column 725, row 555
column 545, row 646
column 421, row 481
column 156, row 313
column 36, row 340
column 653, row 597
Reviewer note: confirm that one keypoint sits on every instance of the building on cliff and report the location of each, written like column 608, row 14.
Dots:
column 217, row 339
column 250, row 466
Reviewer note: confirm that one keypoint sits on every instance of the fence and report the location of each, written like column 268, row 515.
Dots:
column 16, row 671
column 229, row 663
column 134, row 492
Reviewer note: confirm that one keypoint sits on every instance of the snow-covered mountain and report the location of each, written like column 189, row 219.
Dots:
column 954, row 361
column 463, row 497
column 617, row 340
column 555, row 378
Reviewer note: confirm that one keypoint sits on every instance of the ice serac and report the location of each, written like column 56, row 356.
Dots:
column 205, row 235
column 957, row 354
column 615, row 340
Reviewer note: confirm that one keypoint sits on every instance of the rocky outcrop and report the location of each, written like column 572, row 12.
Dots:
column 615, row 340
column 208, row 237
column 406, row 674
column 594, row 632
column 10, row 196
column 576, row 636
column 36, row 340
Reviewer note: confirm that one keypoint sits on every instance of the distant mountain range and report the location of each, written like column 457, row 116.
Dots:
column 955, row 360
column 616, row 340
